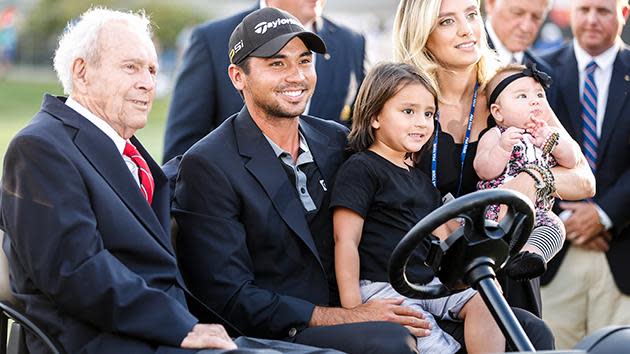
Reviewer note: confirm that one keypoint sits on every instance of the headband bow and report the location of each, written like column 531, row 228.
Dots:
column 530, row 71
column 542, row 77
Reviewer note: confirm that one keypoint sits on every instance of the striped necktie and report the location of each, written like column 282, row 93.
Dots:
column 589, row 115
column 513, row 59
column 144, row 173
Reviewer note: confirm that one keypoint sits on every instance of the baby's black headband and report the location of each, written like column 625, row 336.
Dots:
column 529, row 71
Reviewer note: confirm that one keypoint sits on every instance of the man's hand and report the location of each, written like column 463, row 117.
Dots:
column 390, row 310
column 583, row 225
column 599, row 243
column 208, row 336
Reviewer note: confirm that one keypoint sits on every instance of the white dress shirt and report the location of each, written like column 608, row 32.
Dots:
column 505, row 55
column 109, row 131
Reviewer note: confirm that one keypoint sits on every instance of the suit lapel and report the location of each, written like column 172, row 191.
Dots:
column 102, row 154
column 266, row 168
column 617, row 97
column 528, row 57
column 568, row 80
column 490, row 43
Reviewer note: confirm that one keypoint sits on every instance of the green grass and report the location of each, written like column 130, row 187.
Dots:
column 19, row 101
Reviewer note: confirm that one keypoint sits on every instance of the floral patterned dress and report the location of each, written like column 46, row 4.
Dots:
column 523, row 153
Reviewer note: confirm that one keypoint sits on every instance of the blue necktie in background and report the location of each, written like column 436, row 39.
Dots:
column 589, row 115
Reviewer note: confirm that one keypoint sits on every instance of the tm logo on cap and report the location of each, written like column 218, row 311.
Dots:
column 262, row 27
column 237, row 47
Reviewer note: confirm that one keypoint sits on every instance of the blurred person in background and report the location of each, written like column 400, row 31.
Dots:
column 512, row 27
column 587, row 285
column 8, row 38
column 204, row 96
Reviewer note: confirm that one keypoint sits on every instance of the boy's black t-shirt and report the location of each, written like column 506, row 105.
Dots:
column 391, row 201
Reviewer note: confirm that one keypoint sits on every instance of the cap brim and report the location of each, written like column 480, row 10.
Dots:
column 312, row 41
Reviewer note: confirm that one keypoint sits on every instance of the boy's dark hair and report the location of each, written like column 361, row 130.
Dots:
column 383, row 82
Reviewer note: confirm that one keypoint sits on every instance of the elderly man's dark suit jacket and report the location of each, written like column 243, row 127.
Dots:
column 90, row 260
column 204, row 95
column 613, row 159
column 244, row 244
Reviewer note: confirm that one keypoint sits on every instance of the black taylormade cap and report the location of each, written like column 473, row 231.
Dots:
column 264, row 32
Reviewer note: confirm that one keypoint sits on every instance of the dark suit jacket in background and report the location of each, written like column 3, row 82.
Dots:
column 204, row 95
column 90, row 260
column 244, row 244
column 613, row 164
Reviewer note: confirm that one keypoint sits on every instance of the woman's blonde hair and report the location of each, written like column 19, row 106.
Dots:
column 414, row 22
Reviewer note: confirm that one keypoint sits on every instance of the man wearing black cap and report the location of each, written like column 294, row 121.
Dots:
column 251, row 203
column 203, row 95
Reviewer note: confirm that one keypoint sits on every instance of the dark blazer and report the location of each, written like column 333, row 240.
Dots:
column 90, row 260
column 613, row 165
column 204, row 95
column 244, row 244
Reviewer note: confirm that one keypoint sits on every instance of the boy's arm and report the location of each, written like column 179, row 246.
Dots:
column 348, row 226
column 491, row 158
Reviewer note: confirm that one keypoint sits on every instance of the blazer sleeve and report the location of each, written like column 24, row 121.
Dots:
column 193, row 106
column 47, row 209
column 614, row 201
column 215, row 258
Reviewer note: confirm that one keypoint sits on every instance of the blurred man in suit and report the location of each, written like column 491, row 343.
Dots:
column 512, row 27
column 204, row 97
column 86, row 210
column 588, row 282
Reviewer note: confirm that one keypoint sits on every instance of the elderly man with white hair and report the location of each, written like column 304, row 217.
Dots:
column 86, row 210
column 512, row 27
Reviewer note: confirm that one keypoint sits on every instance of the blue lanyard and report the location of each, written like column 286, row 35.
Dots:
column 464, row 148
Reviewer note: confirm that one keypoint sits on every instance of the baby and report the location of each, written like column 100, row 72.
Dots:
column 526, row 139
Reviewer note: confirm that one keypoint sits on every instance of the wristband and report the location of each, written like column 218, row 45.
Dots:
column 550, row 143
column 544, row 188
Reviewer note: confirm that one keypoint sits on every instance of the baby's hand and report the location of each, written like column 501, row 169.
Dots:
column 510, row 137
column 539, row 129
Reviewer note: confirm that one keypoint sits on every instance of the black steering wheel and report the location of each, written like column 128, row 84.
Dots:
column 478, row 239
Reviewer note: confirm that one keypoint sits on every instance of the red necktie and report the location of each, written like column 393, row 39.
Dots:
column 146, row 180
